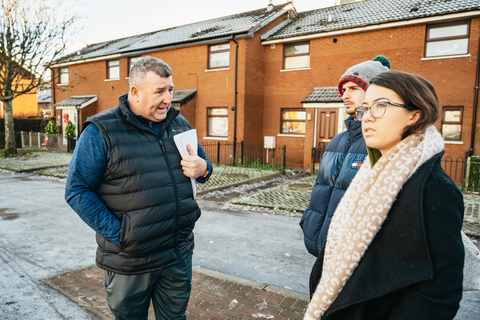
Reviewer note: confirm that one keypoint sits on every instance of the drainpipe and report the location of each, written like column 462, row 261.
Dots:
column 235, row 101
column 475, row 103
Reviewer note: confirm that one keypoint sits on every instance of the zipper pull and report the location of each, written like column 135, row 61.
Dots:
column 161, row 145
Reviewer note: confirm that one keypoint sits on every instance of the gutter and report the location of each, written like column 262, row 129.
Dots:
column 246, row 34
column 475, row 105
column 373, row 27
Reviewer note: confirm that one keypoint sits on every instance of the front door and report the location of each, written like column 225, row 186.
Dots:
column 326, row 126
column 68, row 114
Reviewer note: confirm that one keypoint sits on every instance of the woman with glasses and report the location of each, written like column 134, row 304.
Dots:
column 394, row 247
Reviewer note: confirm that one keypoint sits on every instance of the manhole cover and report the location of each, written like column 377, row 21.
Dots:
column 298, row 186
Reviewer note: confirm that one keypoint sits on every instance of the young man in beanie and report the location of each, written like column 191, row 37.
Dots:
column 342, row 158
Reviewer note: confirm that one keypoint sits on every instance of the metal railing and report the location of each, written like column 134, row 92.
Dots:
column 454, row 168
column 252, row 156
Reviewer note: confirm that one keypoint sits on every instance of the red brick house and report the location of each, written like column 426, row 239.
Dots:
column 270, row 74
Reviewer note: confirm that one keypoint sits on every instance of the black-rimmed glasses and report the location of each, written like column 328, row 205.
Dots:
column 377, row 110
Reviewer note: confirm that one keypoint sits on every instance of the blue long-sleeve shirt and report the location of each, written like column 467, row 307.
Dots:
column 86, row 170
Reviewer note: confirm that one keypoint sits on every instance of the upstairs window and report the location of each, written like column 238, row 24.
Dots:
column 297, row 56
column 63, row 76
column 113, row 69
column 217, row 122
column 293, row 121
column 219, row 56
column 131, row 62
column 447, row 39
column 452, row 123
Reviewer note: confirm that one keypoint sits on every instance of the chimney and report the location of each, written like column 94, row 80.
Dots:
column 270, row 5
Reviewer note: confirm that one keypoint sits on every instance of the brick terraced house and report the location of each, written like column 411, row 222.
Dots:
column 271, row 74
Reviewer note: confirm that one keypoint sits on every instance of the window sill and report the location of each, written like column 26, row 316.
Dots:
column 291, row 135
column 219, row 69
column 215, row 138
column 116, row 79
column 62, row 84
column 447, row 57
column 298, row 69
column 453, row 142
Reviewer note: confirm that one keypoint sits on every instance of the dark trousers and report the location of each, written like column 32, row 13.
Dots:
column 129, row 296
column 316, row 274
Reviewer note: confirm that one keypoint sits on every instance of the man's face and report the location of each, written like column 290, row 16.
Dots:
column 154, row 97
column 353, row 97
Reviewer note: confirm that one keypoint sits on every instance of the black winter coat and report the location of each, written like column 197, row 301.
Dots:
column 413, row 269
column 145, row 188
column 341, row 161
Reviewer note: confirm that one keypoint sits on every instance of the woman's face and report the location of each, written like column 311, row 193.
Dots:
column 385, row 132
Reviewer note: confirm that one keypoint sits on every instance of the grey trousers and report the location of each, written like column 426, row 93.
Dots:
column 129, row 296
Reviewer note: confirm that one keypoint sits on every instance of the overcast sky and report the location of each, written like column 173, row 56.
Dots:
column 105, row 20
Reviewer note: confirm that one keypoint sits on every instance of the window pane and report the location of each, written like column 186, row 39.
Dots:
column 114, row 73
column 64, row 75
column 445, row 48
column 296, row 49
column 451, row 131
column 220, row 59
column 297, row 62
column 294, row 115
column 218, row 126
column 293, row 127
column 220, row 47
column 219, row 111
column 113, row 63
column 450, row 31
column 453, row 115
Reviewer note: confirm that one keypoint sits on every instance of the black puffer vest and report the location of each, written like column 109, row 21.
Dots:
column 144, row 187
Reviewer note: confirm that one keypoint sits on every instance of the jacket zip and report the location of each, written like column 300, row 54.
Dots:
column 177, row 204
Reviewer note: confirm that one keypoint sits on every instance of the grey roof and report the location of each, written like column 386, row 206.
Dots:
column 242, row 23
column 323, row 95
column 366, row 13
column 45, row 97
column 183, row 96
column 75, row 101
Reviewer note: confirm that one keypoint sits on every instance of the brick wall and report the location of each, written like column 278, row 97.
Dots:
column 453, row 78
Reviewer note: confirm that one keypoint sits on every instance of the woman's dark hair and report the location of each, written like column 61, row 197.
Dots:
column 417, row 94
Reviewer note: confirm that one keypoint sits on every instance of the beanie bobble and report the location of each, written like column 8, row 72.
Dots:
column 383, row 60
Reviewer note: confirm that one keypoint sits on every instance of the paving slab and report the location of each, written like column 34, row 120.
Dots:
column 215, row 295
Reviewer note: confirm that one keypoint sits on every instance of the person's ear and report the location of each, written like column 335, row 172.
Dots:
column 414, row 116
column 134, row 93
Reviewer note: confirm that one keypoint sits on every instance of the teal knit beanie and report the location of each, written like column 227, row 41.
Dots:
column 362, row 73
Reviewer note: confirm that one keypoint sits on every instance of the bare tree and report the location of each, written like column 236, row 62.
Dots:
column 33, row 34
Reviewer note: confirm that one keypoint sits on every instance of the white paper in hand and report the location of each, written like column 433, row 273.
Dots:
column 181, row 141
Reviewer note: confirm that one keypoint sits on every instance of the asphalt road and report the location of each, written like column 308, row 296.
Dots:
column 40, row 236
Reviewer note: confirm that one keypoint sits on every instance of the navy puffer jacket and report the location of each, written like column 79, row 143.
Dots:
column 342, row 158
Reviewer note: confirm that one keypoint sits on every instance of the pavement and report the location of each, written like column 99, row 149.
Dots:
column 222, row 287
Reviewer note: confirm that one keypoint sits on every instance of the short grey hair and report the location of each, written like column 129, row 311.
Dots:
column 143, row 65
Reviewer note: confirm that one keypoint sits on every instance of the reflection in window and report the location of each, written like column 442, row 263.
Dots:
column 297, row 56
column 219, row 56
column 447, row 39
column 452, row 123
column 293, row 121
column 217, row 122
